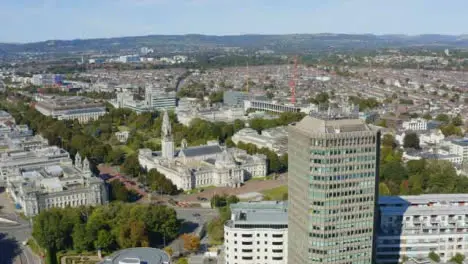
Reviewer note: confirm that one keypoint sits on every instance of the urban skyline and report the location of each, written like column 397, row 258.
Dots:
column 103, row 19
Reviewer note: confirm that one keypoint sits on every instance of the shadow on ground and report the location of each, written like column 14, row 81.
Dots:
column 9, row 249
column 188, row 227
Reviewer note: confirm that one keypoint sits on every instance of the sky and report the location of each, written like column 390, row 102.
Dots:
column 39, row 20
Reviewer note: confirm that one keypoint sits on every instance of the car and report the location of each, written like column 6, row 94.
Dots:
column 196, row 215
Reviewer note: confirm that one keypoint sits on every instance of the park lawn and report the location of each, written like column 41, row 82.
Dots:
column 276, row 193
column 127, row 150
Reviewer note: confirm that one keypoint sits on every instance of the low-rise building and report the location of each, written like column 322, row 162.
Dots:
column 80, row 108
column 138, row 255
column 275, row 139
column 257, row 233
column 5, row 117
column 415, row 124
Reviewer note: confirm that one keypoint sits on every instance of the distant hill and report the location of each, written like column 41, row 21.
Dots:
column 280, row 43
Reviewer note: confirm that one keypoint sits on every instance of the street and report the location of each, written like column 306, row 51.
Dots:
column 13, row 235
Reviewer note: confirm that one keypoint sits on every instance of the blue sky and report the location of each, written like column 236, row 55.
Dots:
column 37, row 20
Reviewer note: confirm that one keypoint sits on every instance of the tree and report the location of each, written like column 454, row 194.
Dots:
column 182, row 261
column 411, row 140
column 389, row 141
column 383, row 189
column 191, row 242
column 118, row 191
column 434, row 257
column 457, row 121
column 458, row 258
column 104, row 241
column 169, row 251
column 427, row 116
column 131, row 166
column 48, row 232
column 444, row 118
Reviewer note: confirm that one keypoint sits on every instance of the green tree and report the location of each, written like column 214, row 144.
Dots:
column 131, row 166
column 444, row 118
column 434, row 257
column 48, row 232
column 427, row 116
column 105, row 240
column 118, row 192
column 411, row 140
column 182, row 261
column 389, row 141
column 457, row 121
column 458, row 258
column 383, row 189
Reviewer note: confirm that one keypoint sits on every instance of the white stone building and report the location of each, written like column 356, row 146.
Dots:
column 207, row 165
column 257, row 233
column 415, row 124
column 274, row 139
column 122, row 136
column 42, row 187
column 413, row 226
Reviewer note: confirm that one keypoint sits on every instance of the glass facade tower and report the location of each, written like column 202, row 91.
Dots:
column 333, row 169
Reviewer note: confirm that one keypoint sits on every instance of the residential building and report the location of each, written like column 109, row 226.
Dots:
column 415, row 124
column 257, row 233
column 39, row 188
column 80, row 108
column 5, row 117
column 274, row 139
column 332, row 181
column 413, row 226
column 459, row 147
column 200, row 166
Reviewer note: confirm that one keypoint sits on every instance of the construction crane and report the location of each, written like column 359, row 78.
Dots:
column 293, row 81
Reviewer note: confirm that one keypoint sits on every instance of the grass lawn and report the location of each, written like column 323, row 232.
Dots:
column 276, row 193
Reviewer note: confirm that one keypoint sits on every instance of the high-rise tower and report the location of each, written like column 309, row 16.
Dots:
column 333, row 187
column 167, row 142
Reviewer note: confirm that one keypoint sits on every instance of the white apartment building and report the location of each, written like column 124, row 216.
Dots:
column 273, row 106
column 415, row 124
column 257, row 233
column 459, row 147
column 413, row 226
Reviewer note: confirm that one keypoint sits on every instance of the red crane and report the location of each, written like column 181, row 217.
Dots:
column 292, row 82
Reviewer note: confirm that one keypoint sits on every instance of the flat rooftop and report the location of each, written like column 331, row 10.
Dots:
column 259, row 213
column 137, row 256
column 312, row 125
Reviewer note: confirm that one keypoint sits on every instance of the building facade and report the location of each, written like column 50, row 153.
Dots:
column 70, row 108
column 332, row 181
column 200, row 166
column 414, row 226
column 257, row 233
column 234, row 98
column 415, row 124
column 41, row 188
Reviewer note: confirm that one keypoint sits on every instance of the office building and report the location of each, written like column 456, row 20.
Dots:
column 459, row 147
column 80, row 108
column 332, row 180
column 257, row 233
column 47, row 79
column 158, row 99
column 234, row 98
column 5, row 117
column 413, row 226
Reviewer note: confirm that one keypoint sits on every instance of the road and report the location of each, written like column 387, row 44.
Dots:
column 13, row 235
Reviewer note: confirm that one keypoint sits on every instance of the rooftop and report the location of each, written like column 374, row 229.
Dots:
column 138, row 255
column 312, row 125
column 259, row 213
